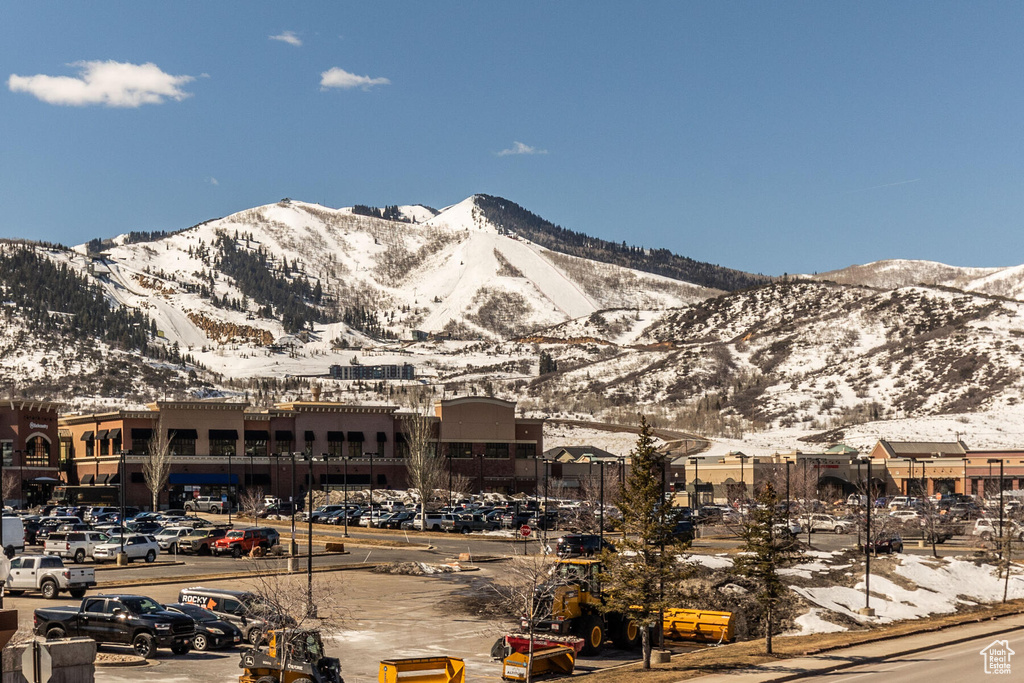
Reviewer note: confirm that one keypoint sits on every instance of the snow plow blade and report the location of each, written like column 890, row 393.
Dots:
column 558, row 659
column 422, row 670
column 517, row 642
column 699, row 625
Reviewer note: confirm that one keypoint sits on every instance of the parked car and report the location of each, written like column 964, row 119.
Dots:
column 13, row 529
column 431, row 520
column 823, row 522
column 396, row 520
column 466, row 523
column 987, row 528
column 907, row 516
column 238, row 542
column 75, row 545
column 169, row 536
column 200, row 541
column 575, row 545
column 133, row 620
column 243, row 609
column 212, row 632
column 48, row 575
column 886, row 542
column 49, row 524
column 136, row 547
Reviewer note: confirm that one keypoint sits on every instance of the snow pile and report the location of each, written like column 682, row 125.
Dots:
column 812, row 622
column 941, row 587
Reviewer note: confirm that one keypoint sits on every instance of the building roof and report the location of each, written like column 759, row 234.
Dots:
column 842, row 448
column 926, row 449
column 579, row 454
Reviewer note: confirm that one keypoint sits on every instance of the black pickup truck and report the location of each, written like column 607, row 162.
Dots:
column 133, row 620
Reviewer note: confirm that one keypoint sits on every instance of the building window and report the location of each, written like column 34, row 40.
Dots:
column 335, row 444
column 89, row 450
column 223, row 447
column 183, row 446
column 38, row 453
column 496, row 450
column 257, row 449
column 355, row 449
column 460, row 450
column 526, row 450
column 105, row 447
column 7, row 452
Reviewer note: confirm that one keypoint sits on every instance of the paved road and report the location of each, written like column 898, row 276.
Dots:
column 962, row 662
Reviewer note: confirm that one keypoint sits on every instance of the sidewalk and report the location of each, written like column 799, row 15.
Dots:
column 815, row 665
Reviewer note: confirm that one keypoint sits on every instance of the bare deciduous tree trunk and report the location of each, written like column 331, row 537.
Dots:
column 425, row 465
column 156, row 470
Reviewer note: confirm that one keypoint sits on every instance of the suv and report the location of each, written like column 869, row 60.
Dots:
column 822, row 522
column 239, row 542
column 206, row 504
column 572, row 545
column 200, row 541
column 242, row 609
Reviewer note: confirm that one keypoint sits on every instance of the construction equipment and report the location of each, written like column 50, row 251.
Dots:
column 576, row 603
column 292, row 656
column 422, row 670
column 557, row 659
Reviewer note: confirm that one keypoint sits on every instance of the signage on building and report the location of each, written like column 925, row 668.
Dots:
column 36, row 425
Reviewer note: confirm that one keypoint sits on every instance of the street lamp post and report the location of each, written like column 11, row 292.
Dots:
column 294, row 546
column 991, row 462
column 371, row 486
column 310, row 608
column 229, row 501
column 345, row 514
column 480, row 458
column 601, row 518
column 867, row 611
column 122, row 559
column 695, row 499
column 451, row 503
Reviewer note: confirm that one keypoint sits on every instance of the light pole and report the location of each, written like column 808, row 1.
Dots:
column 327, row 478
column 451, row 495
column 345, row 514
column 310, row 608
column 294, row 546
column 122, row 559
column 695, row 499
column 250, row 486
column 992, row 461
column 371, row 488
column 229, row 487
column 867, row 611
column 601, row 518
column 480, row 458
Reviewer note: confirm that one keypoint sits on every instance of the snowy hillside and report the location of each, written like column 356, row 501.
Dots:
column 1008, row 282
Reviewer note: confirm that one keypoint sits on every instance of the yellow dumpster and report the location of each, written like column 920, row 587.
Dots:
column 699, row 625
column 558, row 659
column 422, row 670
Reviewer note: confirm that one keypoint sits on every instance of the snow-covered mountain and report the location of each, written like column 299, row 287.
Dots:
column 1008, row 281
column 261, row 301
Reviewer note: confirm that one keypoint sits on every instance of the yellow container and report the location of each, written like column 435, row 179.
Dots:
column 422, row 670
column 699, row 625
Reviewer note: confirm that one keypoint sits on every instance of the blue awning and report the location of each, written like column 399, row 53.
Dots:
column 201, row 478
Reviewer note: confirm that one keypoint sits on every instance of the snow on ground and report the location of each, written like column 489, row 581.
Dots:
column 617, row 443
column 814, row 622
column 942, row 585
column 720, row 561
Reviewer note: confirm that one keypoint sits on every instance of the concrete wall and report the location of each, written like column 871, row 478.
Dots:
column 73, row 661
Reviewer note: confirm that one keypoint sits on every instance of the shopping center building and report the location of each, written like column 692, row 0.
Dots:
column 223, row 447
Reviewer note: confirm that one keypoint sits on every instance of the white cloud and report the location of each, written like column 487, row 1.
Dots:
column 213, row 181
column 520, row 148
column 112, row 84
column 336, row 77
column 288, row 37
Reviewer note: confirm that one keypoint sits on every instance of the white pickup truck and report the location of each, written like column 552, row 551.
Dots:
column 48, row 575
column 74, row 545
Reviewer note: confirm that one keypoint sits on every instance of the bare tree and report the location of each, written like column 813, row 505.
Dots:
column 250, row 503
column 460, row 488
column 11, row 486
column 425, row 464
column 526, row 588
column 156, row 469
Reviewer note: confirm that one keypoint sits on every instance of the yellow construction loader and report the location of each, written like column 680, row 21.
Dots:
column 292, row 656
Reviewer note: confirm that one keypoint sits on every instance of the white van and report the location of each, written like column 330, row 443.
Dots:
column 13, row 535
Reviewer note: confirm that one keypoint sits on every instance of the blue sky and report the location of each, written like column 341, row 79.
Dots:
column 771, row 137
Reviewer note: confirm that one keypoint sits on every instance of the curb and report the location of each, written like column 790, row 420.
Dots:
column 839, row 666
column 137, row 661
column 154, row 581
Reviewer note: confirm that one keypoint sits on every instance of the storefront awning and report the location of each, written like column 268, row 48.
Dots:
column 102, row 435
column 382, row 437
column 88, row 479
column 355, row 436
column 223, row 435
column 400, row 437
column 141, row 434
column 257, row 435
column 115, row 434
column 310, row 436
column 283, row 435
column 182, row 434
column 334, row 437
column 87, row 436
column 202, row 478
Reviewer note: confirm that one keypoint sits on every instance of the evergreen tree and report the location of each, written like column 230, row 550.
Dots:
column 768, row 547
column 645, row 576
